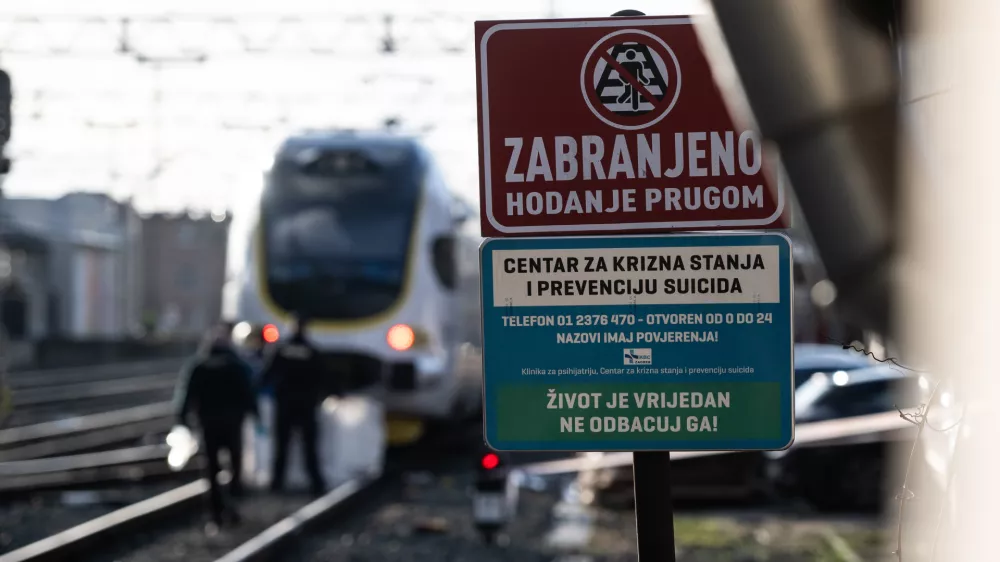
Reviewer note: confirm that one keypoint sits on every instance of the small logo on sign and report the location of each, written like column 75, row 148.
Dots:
column 643, row 356
column 630, row 79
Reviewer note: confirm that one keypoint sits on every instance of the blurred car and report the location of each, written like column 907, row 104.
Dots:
column 732, row 476
column 847, row 474
column 811, row 358
column 843, row 394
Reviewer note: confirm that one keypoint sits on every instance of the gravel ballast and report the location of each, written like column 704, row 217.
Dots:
column 185, row 539
column 428, row 518
column 27, row 521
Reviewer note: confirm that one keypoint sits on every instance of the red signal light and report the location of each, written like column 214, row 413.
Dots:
column 490, row 461
column 270, row 333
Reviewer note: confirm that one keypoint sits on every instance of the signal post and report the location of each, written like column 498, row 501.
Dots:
column 609, row 323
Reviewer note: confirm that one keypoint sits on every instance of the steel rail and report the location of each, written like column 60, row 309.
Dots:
column 63, row 545
column 267, row 544
column 22, row 435
column 79, row 442
column 108, row 367
column 98, row 476
column 41, row 379
column 86, row 460
column 94, row 389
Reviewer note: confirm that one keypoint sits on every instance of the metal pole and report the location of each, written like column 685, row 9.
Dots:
column 654, row 506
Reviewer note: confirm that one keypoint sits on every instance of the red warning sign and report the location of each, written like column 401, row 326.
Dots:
column 612, row 125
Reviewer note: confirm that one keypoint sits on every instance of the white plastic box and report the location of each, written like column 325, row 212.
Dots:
column 351, row 444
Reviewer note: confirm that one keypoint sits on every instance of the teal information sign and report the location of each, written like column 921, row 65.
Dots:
column 638, row 343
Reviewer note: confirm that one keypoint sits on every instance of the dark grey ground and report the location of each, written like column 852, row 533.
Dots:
column 25, row 521
column 429, row 519
column 185, row 539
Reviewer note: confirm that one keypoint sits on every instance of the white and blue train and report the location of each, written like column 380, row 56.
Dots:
column 360, row 233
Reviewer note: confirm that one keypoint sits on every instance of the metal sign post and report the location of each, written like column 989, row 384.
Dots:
column 596, row 341
column 654, row 503
column 654, row 506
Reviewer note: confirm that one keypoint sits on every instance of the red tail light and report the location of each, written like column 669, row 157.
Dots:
column 490, row 461
column 270, row 333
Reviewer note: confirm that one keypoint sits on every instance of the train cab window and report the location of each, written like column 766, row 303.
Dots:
column 445, row 265
column 337, row 228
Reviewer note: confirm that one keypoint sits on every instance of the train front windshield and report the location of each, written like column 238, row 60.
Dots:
column 337, row 227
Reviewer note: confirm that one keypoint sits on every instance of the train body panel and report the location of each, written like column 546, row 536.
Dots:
column 358, row 263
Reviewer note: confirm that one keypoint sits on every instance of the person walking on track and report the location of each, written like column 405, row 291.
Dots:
column 295, row 372
column 217, row 386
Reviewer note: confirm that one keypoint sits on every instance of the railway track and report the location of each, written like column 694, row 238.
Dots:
column 55, row 456
column 270, row 522
column 43, row 396
column 417, row 506
column 75, row 392
column 83, row 433
column 101, row 469
column 68, row 544
column 100, row 450
column 54, row 377
column 107, row 448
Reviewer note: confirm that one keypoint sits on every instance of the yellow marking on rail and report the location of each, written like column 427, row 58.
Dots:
column 403, row 431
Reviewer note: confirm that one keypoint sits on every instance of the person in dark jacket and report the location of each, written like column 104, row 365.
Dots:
column 217, row 386
column 294, row 371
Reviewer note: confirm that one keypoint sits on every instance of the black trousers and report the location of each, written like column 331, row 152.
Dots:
column 219, row 435
column 291, row 417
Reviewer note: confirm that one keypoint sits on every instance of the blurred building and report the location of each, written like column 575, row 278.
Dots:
column 93, row 268
column 185, row 270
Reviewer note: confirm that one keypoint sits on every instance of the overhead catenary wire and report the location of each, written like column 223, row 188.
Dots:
column 261, row 114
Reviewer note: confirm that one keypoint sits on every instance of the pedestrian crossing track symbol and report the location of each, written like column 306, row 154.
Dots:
column 630, row 79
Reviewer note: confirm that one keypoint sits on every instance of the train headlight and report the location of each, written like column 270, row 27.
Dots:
column 241, row 332
column 400, row 337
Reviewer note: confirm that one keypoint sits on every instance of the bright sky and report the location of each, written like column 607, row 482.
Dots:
column 186, row 134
